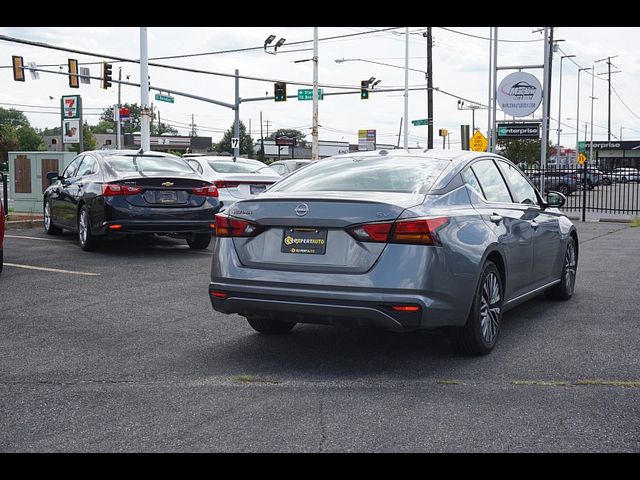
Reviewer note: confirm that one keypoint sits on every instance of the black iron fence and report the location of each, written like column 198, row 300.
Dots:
column 616, row 191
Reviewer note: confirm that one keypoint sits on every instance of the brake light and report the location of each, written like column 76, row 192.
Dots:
column 406, row 308
column 418, row 231
column 114, row 189
column 225, row 184
column 206, row 191
column 227, row 226
column 218, row 294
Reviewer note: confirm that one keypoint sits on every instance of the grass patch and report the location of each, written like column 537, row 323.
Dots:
column 243, row 378
column 565, row 383
column 448, row 382
column 635, row 222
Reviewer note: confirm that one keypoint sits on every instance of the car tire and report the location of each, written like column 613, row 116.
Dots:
column 564, row 289
column 199, row 241
column 606, row 181
column 49, row 227
column 480, row 334
column 269, row 326
column 1, row 259
column 88, row 241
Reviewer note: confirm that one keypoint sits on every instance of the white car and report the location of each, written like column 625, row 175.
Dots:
column 235, row 178
column 625, row 174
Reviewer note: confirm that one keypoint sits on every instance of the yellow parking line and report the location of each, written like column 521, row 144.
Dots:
column 44, row 269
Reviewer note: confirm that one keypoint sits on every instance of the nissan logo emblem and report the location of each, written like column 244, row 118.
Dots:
column 302, row 209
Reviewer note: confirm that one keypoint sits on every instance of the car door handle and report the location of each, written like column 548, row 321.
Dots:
column 495, row 218
column 534, row 224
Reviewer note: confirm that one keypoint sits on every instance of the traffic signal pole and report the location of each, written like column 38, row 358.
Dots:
column 118, row 124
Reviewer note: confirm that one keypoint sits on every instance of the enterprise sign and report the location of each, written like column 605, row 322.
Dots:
column 508, row 131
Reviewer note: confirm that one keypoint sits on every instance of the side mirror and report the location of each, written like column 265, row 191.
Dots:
column 52, row 177
column 555, row 199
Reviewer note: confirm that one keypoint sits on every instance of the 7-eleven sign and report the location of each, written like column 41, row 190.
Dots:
column 71, row 106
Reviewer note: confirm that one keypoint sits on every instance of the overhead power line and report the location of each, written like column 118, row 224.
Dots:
column 486, row 38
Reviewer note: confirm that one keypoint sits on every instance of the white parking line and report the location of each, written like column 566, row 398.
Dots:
column 44, row 269
column 32, row 238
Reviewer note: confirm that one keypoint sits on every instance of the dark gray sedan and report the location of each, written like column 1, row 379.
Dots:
column 398, row 239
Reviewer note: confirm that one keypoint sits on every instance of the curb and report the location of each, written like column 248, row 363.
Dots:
column 23, row 223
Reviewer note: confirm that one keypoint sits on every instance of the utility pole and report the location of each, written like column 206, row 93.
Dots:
column 494, row 133
column 118, row 127
column 406, row 88
column 491, row 88
column 193, row 125
column 429, row 89
column 314, row 123
column 236, row 125
column 560, row 100
column 261, row 139
column 145, row 139
column 545, row 108
column 592, row 99
column 267, row 122
column 399, row 133
column 608, row 59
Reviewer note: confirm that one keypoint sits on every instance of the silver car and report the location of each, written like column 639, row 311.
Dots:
column 398, row 239
column 235, row 178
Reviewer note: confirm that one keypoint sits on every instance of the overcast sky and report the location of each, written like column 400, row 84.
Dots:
column 460, row 66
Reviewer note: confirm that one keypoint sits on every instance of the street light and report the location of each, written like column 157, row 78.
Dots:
column 578, row 115
column 278, row 44
column 473, row 107
column 560, row 100
column 269, row 39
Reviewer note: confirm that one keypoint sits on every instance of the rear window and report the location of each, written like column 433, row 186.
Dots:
column 148, row 164
column 222, row 166
column 365, row 174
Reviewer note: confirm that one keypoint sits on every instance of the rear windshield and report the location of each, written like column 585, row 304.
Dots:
column 365, row 174
column 148, row 164
column 225, row 166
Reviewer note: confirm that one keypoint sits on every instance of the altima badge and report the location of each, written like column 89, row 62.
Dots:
column 302, row 209
column 167, row 184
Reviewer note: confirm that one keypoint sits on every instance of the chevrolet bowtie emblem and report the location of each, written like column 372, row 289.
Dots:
column 167, row 184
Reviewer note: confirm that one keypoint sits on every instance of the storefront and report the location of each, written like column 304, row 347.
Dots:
column 615, row 154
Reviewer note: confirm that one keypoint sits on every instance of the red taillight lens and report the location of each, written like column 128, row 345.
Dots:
column 206, row 191
column 227, row 226
column 406, row 308
column 113, row 189
column 225, row 184
column 419, row 231
column 218, row 294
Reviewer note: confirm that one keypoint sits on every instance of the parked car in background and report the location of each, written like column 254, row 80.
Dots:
column 1, row 227
column 624, row 175
column 287, row 167
column 399, row 239
column 109, row 193
column 565, row 182
column 235, row 178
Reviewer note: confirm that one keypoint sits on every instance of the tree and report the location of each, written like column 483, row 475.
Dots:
column 8, row 142
column 287, row 132
column 88, row 140
column 133, row 124
column 13, row 117
column 523, row 151
column 29, row 139
column 246, row 142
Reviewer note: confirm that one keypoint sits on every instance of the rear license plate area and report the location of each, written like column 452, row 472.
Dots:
column 310, row 241
column 256, row 189
column 166, row 196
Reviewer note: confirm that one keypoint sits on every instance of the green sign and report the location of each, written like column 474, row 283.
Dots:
column 582, row 147
column 422, row 121
column 307, row 94
column 164, row 98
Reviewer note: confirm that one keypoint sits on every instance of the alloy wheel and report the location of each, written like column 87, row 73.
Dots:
column 47, row 216
column 570, row 268
column 82, row 227
column 490, row 308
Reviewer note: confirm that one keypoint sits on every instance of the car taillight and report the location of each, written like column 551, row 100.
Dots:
column 225, row 184
column 206, row 191
column 227, row 226
column 113, row 189
column 418, row 231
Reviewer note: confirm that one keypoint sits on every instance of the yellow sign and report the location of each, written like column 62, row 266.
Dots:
column 582, row 158
column 478, row 142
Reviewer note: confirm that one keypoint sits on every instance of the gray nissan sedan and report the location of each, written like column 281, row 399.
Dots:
column 397, row 239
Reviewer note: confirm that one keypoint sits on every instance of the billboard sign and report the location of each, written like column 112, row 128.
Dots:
column 509, row 131
column 519, row 94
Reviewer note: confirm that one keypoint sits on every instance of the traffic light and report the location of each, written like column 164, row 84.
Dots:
column 280, row 91
column 364, row 89
column 74, row 80
column 106, row 75
column 18, row 68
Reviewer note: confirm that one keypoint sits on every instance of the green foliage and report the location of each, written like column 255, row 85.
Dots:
column 13, row 117
column 523, row 151
column 50, row 131
column 246, row 143
column 133, row 124
column 287, row 132
column 29, row 139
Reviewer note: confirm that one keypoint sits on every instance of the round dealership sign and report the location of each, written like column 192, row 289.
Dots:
column 519, row 94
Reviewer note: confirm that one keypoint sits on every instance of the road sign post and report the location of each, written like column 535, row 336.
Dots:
column 479, row 142
column 307, row 94
column 422, row 121
column 164, row 98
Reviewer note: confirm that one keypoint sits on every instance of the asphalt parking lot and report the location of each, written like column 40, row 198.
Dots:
column 119, row 350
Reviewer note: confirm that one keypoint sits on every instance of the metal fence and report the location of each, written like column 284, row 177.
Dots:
column 592, row 190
